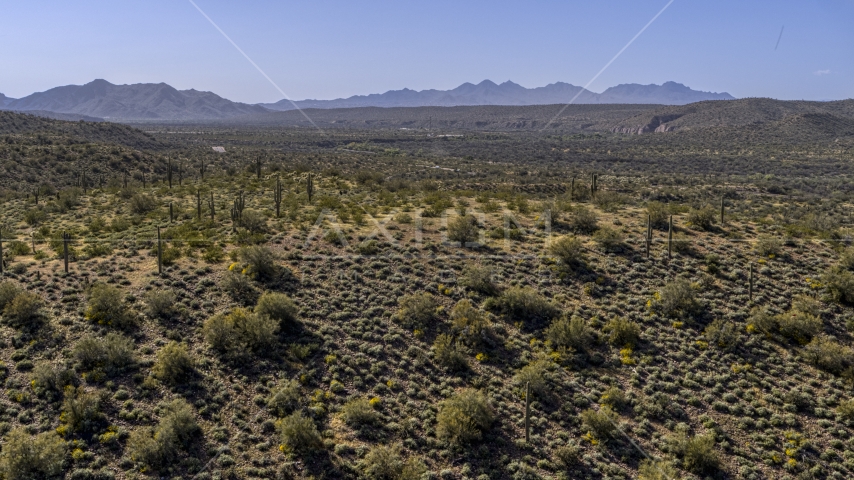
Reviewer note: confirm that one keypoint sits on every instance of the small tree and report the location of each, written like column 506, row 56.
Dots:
column 25, row 456
column 278, row 307
column 25, row 310
column 570, row 251
column 107, row 307
column 284, row 399
column 417, row 310
column 570, row 333
column 173, row 364
column 623, row 332
column 703, row 218
column 298, row 433
column 358, row 412
column 464, row 417
column 463, row 229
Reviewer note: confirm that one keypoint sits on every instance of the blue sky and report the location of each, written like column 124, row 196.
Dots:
column 328, row 49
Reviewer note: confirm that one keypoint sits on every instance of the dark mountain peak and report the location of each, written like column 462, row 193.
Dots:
column 141, row 101
column 488, row 92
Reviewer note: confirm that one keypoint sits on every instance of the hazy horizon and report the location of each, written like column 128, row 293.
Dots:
column 327, row 51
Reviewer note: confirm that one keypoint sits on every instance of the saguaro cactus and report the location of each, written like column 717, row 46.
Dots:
column 527, row 412
column 722, row 210
column 171, row 214
column 258, row 167
column 648, row 236
column 1, row 251
column 277, row 196
column 571, row 189
column 199, row 204
column 309, row 187
column 670, row 238
column 237, row 211
column 212, row 207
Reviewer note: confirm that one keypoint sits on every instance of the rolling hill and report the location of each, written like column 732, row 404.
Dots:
column 144, row 101
column 509, row 93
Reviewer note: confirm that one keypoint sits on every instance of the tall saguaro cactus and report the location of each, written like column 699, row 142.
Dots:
column 199, row 204
column 213, row 218
column 722, row 211
column 527, row 412
column 277, row 196
column 258, row 167
column 237, row 211
column 1, row 251
column 309, row 187
column 670, row 238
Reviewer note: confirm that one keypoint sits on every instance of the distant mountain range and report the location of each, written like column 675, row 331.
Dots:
column 509, row 93
column 142, row 101
column 101, row 99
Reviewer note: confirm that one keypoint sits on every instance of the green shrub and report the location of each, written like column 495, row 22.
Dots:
column 583, row 220
column 160, row 303
column 839, row 285
column 26, row 456
column 213, row 254
column 721, row 334
column 609, row 239
column 568, row 456
column 523, row 304
column 479, row 279
column 253, row 221
column 298, row 433
column 463, row 229
column 469, row 323
column 614, row 397
column 657, row 469
column 768, row 246
column 277, row 306
column 601, row 424
column 464, row 417
column 25, row 310
column 284, row 399
column 416, row 311
column 448, row 354
column 385, row 462
column 16, row 248
column 239, row 331
column 173, row 363
column 659, row 214
column 368, row 247
column 846, row 410
column 570, row 251
column 570, row 332
column 8, row 292
column 846, row 259
column 623, row 332
column 828, row 354
column 359, row 412
column 140, row 204
column 158, row 447
column 703, row 218
column 51, row 380
column 676, row 299
column 799, row 326
column 762, row 321
column 260, row 261
column 239, row 287
column 534, row 376
column 107, row 306
column 111, row 354
column 81, row 412
column 697, row 452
